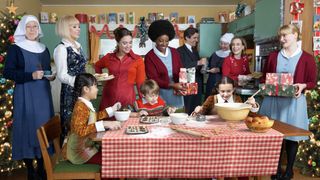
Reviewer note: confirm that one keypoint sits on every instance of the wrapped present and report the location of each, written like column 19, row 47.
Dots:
column 187, row 78
column 277, row 90
column 183, row 77
column 191, row 89
column 279, row 78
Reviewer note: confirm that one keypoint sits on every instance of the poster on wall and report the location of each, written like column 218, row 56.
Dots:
column 316, row 23
column 316, row 3
column 316, row 43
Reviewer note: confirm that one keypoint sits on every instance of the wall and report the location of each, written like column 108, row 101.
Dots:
column 141, row 10
column 307, row 18
column 24, row 6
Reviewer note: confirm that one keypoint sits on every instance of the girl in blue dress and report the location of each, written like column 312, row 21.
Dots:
column 293, row 111
column 32, row 101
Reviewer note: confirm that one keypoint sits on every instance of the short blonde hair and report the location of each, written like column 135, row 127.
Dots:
column 289, row 29
column 62, row 26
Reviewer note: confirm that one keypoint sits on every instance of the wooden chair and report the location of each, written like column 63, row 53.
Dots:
column 61, row 169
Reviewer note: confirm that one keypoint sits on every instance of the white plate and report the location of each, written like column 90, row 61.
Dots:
column 105, row 78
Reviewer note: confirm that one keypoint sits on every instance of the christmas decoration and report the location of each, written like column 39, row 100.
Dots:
column 12, row 9
column 308, row 157
column 8, row 24
column 143, row 32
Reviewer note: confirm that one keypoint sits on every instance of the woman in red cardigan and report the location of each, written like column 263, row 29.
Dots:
column 237, row 63
column 291, row 110
column 128, row 69
column 163, row 63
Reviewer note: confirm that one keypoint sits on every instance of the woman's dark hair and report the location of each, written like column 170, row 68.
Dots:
column 159, row 28
column 224, row 80
column 190, row 31
column 244, row 43
column 120, row 32
column 82, row 80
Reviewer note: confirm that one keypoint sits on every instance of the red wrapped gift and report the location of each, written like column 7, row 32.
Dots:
column 279, row 78
column 192, row 88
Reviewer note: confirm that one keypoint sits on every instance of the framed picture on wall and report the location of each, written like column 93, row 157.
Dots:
column 131, row 18
column 122, row 18
column 44, row 17
column 316, row 43
column 316, row 23
column 191, row 19
column 112, row 18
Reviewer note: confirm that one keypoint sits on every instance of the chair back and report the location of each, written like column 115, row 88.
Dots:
column 50, row 132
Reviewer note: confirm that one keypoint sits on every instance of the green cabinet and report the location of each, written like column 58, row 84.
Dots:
column 209, row 39
column 242, row 26
column 51, row 40
column 267, row 19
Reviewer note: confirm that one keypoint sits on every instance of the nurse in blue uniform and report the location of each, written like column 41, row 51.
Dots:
column 291, row 110
column 32, row 101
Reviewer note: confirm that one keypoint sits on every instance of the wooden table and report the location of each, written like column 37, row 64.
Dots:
column 284, row 128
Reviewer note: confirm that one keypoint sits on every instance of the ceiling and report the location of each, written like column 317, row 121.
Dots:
column 139, row 2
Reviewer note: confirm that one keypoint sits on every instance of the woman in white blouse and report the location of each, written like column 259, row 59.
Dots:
column 70, row 61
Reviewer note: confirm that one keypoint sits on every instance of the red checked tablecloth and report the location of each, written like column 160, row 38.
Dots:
column 231, row 151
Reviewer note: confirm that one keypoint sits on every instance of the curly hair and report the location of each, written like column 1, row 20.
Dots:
column 159, row 28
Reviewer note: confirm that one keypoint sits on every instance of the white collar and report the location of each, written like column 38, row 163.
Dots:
column 87, row 103
column 157, row 52
column 220, row 100
column 222, row 53
column 188, row 46
column 67, row 43
column 297, row 51
column 32, row 46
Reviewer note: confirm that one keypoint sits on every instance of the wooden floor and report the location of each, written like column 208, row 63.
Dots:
column 21, row 174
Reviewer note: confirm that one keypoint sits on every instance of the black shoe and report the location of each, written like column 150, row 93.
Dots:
column 276, row 176
column 287, row 176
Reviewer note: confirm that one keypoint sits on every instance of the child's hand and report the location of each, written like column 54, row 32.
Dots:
column 171, row 110
column 252, row 102
column 113, row 125
column 143, row 113
column 116, row 106
column 196, row 111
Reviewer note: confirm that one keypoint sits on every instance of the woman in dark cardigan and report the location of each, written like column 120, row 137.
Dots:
column 291, row 59
column 163, row 63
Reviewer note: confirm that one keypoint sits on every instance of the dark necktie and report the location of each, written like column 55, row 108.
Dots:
column 225, row 101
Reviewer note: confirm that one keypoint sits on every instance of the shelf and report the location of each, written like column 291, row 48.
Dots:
column 131, row 27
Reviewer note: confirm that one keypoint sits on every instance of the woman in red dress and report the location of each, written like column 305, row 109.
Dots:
column 128, row 69
column 237, row 63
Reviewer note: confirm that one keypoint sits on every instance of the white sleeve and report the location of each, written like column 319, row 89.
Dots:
column 60, row 59
column 254, row 110
column 99, row 126
column 110, row 111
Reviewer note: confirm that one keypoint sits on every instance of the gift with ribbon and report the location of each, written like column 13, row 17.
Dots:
column 278, row 84
column 187, row 78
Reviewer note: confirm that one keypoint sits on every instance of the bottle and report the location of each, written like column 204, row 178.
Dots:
column 204, row 68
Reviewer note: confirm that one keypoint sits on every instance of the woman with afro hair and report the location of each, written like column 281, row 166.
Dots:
column 163, row 63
